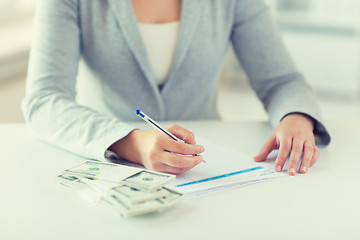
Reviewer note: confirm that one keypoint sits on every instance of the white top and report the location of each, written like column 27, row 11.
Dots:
column 160, row 43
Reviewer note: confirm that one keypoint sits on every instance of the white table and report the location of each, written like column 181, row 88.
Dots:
column 323, row 204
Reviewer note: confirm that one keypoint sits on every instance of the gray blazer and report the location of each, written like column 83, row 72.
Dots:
column 105, row 36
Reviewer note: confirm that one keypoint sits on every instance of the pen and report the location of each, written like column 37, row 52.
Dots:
column 148, row 119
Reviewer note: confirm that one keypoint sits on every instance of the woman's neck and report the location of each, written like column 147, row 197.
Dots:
column 157, row 11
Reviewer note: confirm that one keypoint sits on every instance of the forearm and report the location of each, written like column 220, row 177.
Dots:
column 66, row 124
column 125, row 148
column 272, row 74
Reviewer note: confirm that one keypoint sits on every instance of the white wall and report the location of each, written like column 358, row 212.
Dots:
column 323, row 37
column 15, row 37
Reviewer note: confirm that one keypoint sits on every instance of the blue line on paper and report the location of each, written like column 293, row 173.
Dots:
column 219, row 176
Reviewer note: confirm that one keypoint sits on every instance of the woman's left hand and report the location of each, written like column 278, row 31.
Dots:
column 294, row 136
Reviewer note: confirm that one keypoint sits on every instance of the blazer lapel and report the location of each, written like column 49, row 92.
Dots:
column 128, row 23
column 190, row 15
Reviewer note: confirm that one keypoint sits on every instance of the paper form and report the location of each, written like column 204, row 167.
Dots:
column 224, row 169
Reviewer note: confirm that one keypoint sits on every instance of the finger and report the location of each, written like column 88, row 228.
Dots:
column 172, row 170
column 182, row 148
column 182, row 133
column 284, row 150
column 159, row 166
column 296, row 152
column 315, row 156
column 309, row 150
column 162, row 167
column 266, row 149
column 180, row 161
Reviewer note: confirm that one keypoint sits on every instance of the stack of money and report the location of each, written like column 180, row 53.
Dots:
column 126, row 190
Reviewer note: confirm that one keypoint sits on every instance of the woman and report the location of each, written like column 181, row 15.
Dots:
column 116, row 41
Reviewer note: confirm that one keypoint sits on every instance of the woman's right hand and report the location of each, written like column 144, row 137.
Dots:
column 158, row 152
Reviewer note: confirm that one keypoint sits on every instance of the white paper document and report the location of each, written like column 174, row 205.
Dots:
column 223, row 169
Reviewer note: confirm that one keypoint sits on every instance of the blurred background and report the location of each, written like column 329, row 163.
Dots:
column 323, row 37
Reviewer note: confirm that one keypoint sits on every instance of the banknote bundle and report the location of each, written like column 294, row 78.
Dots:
column 126, row 190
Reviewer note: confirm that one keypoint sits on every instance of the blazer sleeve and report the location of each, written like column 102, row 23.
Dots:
column 49, row 105
column 272, row 74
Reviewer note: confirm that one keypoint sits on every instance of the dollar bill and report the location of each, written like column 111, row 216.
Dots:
column 148, row 180
column 135, row 177
column 130, row 195
column 155, row 205
column 67, row 179
column 90, row 169
column 173, row 196
column 71, row 183
column 139, row 193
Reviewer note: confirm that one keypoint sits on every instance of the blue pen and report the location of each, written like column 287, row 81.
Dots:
column 148, row 119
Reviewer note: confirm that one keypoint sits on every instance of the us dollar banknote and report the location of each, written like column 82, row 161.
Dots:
column 130, row 176
column 140, row 192
column 128, row 210
column 131, row 195
column 148, row 180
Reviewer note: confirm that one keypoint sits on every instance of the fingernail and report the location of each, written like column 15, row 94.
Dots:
column 303, row 169
column 292, row 171
column 278, row 168
column 202, row 148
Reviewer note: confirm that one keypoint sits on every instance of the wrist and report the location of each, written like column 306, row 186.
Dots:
column 125, row 148
column 301, row 117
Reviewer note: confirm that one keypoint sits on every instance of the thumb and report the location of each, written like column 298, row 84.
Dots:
column 266, row 149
